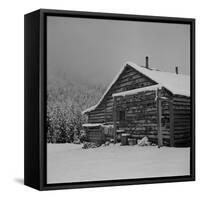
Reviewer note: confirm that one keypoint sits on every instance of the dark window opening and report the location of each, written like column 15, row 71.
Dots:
column 121, row 115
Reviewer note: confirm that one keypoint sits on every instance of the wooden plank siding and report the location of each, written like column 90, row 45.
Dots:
column 128, row 80
column 141, row 115
column 182, row 121
column 95, row 134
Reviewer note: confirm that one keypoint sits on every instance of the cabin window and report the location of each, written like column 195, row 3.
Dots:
column 121, row 115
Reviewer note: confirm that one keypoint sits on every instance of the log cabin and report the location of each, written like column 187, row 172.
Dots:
column 143, row 101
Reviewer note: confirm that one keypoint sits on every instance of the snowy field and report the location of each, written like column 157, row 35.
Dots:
column 71, row 163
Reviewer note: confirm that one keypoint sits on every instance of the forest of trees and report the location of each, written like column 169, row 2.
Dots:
column 66, row 99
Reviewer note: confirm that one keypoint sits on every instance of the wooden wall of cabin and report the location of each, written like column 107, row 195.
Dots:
column 182, row 120
column 166, row 124
column 97, row 116
column 142, row 116
column 128, row 80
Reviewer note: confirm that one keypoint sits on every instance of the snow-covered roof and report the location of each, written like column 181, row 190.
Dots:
column 111, row 84
column 135, row 91
column 176, row 83
column 91, row 125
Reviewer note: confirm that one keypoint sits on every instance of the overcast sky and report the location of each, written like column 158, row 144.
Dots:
column 95, row 50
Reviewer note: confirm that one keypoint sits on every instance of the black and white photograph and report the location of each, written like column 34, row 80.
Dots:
column 99, row 100
column 118, row 100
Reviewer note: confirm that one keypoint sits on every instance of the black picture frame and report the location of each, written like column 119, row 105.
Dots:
column 35, row 54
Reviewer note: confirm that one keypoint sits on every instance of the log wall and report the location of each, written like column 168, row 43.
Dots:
column 182, row 120
column 128, row 80
column 141, row 116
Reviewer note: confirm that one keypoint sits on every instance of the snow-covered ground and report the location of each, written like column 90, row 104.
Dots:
column 71, row 163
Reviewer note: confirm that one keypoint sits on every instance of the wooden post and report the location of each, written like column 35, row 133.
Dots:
column 159, row 114
column 102, row 134
column 104, row 106
column 114, row 120
column 171, row 118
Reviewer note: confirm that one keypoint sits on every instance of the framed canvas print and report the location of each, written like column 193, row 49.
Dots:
column 109, row 99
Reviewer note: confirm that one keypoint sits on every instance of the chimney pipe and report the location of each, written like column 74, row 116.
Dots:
column 147, row 62
column 176, row 68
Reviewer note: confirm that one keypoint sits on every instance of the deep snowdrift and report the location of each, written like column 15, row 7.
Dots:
column 71, row 163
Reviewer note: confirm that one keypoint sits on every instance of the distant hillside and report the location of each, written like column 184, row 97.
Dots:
column 66, row 99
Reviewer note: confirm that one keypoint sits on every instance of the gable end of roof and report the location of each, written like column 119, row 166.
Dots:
column 177, row 84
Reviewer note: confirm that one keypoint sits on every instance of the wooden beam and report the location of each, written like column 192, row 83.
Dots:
column 171, row 117
column 102, row 134
column 115, row 120
column 159, row 114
